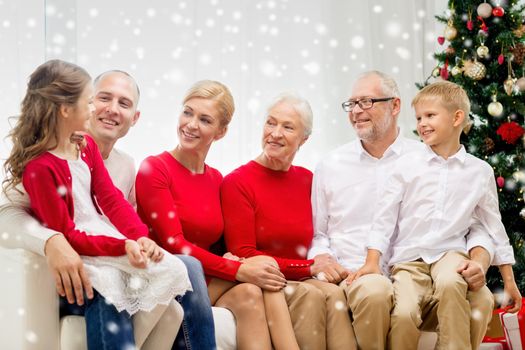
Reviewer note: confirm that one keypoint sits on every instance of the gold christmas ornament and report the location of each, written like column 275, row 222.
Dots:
column 484, row 10
column 520, row 83
column 508, row 85
column 475, row 70
column 456, row 70
column 435, row 72
column 520, row 31
column 450, row 31
column 482, row 51
column 495, row 108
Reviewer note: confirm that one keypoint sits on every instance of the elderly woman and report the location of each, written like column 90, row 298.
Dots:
column 178, row 198
column 267, row 211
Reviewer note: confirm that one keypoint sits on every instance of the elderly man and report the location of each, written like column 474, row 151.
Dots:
column 116, row 99
column 346, row 188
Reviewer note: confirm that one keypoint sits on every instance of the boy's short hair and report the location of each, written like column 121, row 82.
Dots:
column 452, row 95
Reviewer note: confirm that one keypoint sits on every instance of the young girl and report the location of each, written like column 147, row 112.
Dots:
column 71, row 192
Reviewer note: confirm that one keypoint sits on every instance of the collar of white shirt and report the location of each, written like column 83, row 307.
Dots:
column 460, row 155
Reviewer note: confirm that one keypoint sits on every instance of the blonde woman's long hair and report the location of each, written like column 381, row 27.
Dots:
column 51, row 85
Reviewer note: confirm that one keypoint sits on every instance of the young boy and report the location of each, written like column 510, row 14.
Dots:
column 432, row 200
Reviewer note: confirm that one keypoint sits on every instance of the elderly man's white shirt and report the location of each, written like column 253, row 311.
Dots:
column 429, row 205
column 347, row 186
column 18, row 229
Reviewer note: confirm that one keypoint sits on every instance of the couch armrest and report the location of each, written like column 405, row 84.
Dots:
column 29, row 305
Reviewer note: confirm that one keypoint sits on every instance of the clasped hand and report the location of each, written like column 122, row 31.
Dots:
column 141, row 251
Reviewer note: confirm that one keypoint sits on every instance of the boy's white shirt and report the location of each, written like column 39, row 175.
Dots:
column 429, row 205
column 18, row 229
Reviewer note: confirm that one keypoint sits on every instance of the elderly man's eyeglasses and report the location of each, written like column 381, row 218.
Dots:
column 364, row 103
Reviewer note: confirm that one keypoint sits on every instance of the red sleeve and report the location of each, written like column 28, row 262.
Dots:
column 110, row 199
column 157, row 208
column 50, row 208
column 239, row 229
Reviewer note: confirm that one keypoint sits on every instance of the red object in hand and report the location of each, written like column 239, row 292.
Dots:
column 510, row 132
column 470, row 24
column 441, row 40
column 500, row 181
column 501, row 59
column 498, row 11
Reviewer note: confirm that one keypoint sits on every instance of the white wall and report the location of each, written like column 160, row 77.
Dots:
column 258, row 48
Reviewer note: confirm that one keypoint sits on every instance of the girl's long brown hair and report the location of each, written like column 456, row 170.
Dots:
column 51, row 85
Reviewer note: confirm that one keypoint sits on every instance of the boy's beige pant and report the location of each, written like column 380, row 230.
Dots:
column 461, row 316
column 319, row 318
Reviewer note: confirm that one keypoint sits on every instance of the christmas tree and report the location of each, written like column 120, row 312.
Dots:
column 483, row 51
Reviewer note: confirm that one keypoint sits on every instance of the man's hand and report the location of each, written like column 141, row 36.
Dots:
column 473, row 273
column 71, row 280
column 327, row 269
column 262, row 271
column 367, row 269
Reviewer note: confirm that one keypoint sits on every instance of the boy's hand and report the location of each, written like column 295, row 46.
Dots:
column 366, row 269
column 135, row 256
column 473, row 273
column 150, row 249
column 512, row 297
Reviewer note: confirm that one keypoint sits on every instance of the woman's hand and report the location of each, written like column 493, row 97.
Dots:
column 230, row 256
column 263, row 272
column 135, row 256
column 150, row 249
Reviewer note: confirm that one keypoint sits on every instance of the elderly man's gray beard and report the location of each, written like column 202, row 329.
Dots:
column 378, row 130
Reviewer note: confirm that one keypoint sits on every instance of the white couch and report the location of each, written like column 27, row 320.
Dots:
column 29, row 310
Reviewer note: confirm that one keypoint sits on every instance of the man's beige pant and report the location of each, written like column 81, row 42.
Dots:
column 339, row 330
column 370, row 300
column 461, row 316
column 319, row 319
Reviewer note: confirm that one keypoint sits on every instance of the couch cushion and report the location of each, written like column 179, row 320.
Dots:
column 73, row 331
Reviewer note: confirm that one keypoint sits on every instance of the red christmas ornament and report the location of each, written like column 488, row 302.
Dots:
column 501, row 59
column 444, row 71
column 483, row 26
column 441, row 40
column 498, row 11
column 510, row 132
column 500, row 181
column 470, row 24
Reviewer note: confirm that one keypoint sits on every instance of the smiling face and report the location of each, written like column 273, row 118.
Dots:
column 283, row 133
column 116, row 99
column 438, row 126
column 374, row 123
column 199, row 125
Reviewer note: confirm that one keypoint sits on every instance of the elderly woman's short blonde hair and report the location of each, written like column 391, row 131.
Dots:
column 300, row 105
column 216, row 91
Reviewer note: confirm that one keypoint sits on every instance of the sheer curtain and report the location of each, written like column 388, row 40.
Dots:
column 258, row 48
